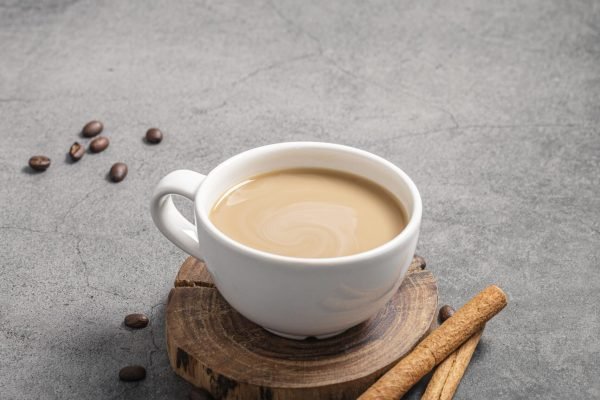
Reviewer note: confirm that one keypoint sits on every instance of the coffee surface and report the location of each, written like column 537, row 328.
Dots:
column 309, row 213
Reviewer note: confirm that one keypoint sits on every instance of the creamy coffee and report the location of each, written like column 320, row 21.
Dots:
column 309, row 212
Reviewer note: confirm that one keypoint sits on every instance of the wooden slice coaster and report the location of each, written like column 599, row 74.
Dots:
column 212, row 346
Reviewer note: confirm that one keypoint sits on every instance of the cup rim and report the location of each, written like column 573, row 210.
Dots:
column 404, row 236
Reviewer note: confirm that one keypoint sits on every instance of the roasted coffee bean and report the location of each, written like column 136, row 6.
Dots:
column 76, row 151
column 136, row 321
column 118, row 172
column 445, row 313
column 420, row 261
column 99, row 144
column 132, row 373
column 39, row 163
column 200, row 394
column 154, row 135
column 92, row 128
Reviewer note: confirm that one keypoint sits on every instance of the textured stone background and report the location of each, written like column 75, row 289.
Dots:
column 491, row 107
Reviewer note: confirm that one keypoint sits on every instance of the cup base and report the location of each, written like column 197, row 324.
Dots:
column 300, row 337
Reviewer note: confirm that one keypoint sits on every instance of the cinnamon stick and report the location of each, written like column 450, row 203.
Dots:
column 439, row 378
column 436, row 347
column 448, row 374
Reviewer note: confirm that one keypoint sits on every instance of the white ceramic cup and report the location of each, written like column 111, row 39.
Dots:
column 289, row 296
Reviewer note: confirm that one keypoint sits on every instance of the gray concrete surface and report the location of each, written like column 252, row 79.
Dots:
column 491, row 107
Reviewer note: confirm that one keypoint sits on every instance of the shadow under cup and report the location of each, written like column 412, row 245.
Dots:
column 300, row 297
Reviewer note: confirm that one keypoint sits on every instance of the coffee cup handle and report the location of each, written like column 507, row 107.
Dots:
column 167, row 218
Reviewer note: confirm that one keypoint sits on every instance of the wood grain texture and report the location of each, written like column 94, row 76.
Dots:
column 214, row 347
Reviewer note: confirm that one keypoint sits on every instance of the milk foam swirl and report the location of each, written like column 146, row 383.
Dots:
column 313, row 229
